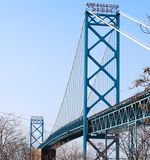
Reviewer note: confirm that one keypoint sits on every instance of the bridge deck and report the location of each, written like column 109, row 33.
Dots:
column 134, row 109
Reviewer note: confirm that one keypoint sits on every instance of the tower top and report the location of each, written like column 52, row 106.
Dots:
column 102, row 8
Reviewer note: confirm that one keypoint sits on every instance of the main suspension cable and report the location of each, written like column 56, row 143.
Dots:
column 135, row 20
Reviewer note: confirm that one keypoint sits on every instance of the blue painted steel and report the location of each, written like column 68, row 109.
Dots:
column 126, row 113
column 85, row 128
column 114, row 19
column 118, row 78
column 90, row 20
column 133, row 110
column 36, row 131
column 118, row 59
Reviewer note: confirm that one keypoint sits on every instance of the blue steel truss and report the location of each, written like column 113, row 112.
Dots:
column 90, row 21
column 133, row 110
column 36, row 131
column 126, row 113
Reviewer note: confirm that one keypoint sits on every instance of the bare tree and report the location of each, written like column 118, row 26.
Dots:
column 13, row 143
column 136, row 143
column 146, row 30
column 71, row 151
column 100, row 152
column 143, row 80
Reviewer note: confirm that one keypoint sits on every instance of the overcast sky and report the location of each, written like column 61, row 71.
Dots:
column 38, row 39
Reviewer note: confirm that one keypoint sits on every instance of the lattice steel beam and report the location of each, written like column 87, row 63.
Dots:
column 134, row 111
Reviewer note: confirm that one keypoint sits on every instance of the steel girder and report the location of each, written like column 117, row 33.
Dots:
column 134, row 110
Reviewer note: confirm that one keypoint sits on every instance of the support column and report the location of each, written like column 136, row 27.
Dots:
column 85, row 125
column 106, row 144
column 136, row 137
column 48, row 154
column 118, row 81
column 117, row 146
column 131, row 142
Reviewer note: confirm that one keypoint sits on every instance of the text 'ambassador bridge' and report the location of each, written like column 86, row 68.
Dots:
column 91, row 105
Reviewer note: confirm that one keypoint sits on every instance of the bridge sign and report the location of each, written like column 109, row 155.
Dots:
column 102, row 8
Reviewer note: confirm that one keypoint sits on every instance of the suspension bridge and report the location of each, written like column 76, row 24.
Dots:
column 91, row 105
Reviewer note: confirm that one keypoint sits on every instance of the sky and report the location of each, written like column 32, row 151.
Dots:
column 38, row 40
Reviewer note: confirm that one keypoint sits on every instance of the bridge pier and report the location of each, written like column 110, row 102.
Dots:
column 48, row 154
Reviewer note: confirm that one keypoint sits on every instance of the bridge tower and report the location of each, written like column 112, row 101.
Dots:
column 95, row 22
column 36, row 131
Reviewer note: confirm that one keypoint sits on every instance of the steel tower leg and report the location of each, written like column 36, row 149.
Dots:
column 85, row 125
column 118, row 80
